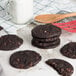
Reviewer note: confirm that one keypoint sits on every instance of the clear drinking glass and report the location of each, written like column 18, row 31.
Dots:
column 21, row 10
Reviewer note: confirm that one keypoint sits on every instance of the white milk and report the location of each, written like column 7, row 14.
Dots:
column 21, row 10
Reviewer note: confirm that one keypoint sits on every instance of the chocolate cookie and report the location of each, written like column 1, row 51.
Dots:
column 10, row 42
column 1, row 28
column 46, row 39
column 46, row 31
column 69, row 50
column 24, row 59
column 46, row 45
column 62, row 67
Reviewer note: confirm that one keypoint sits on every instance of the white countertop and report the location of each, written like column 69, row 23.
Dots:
column 41, row 68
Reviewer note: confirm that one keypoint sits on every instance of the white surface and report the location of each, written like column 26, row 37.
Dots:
column 41, row 68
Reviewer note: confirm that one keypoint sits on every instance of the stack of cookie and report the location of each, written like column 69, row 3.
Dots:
column 46, row 36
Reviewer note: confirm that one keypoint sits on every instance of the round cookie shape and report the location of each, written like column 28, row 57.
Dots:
column 10, row 42
column 46, row 31
column 44, row 45
column 69, row 50
column 62, row 67
column 46, row 39
column 24, row 59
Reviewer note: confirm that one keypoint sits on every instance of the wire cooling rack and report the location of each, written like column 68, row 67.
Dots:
column 40, row 7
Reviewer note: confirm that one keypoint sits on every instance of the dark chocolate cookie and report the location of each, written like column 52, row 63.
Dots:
column 1, row 28
column 24, row 59
column 10, row 42
column 46, row 31
column 46, row 39
column 69, row 50
column 62, row 67
column 46, row 45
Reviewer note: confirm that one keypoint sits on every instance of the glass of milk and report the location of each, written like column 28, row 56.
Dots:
column 21, row 10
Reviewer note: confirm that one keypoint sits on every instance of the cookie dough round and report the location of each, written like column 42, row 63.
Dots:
column 47, row 45
column 46, row 39
column 24, row 59
column 10, row 42
column 46, row 31
column 62, row 67
column 69, row 50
